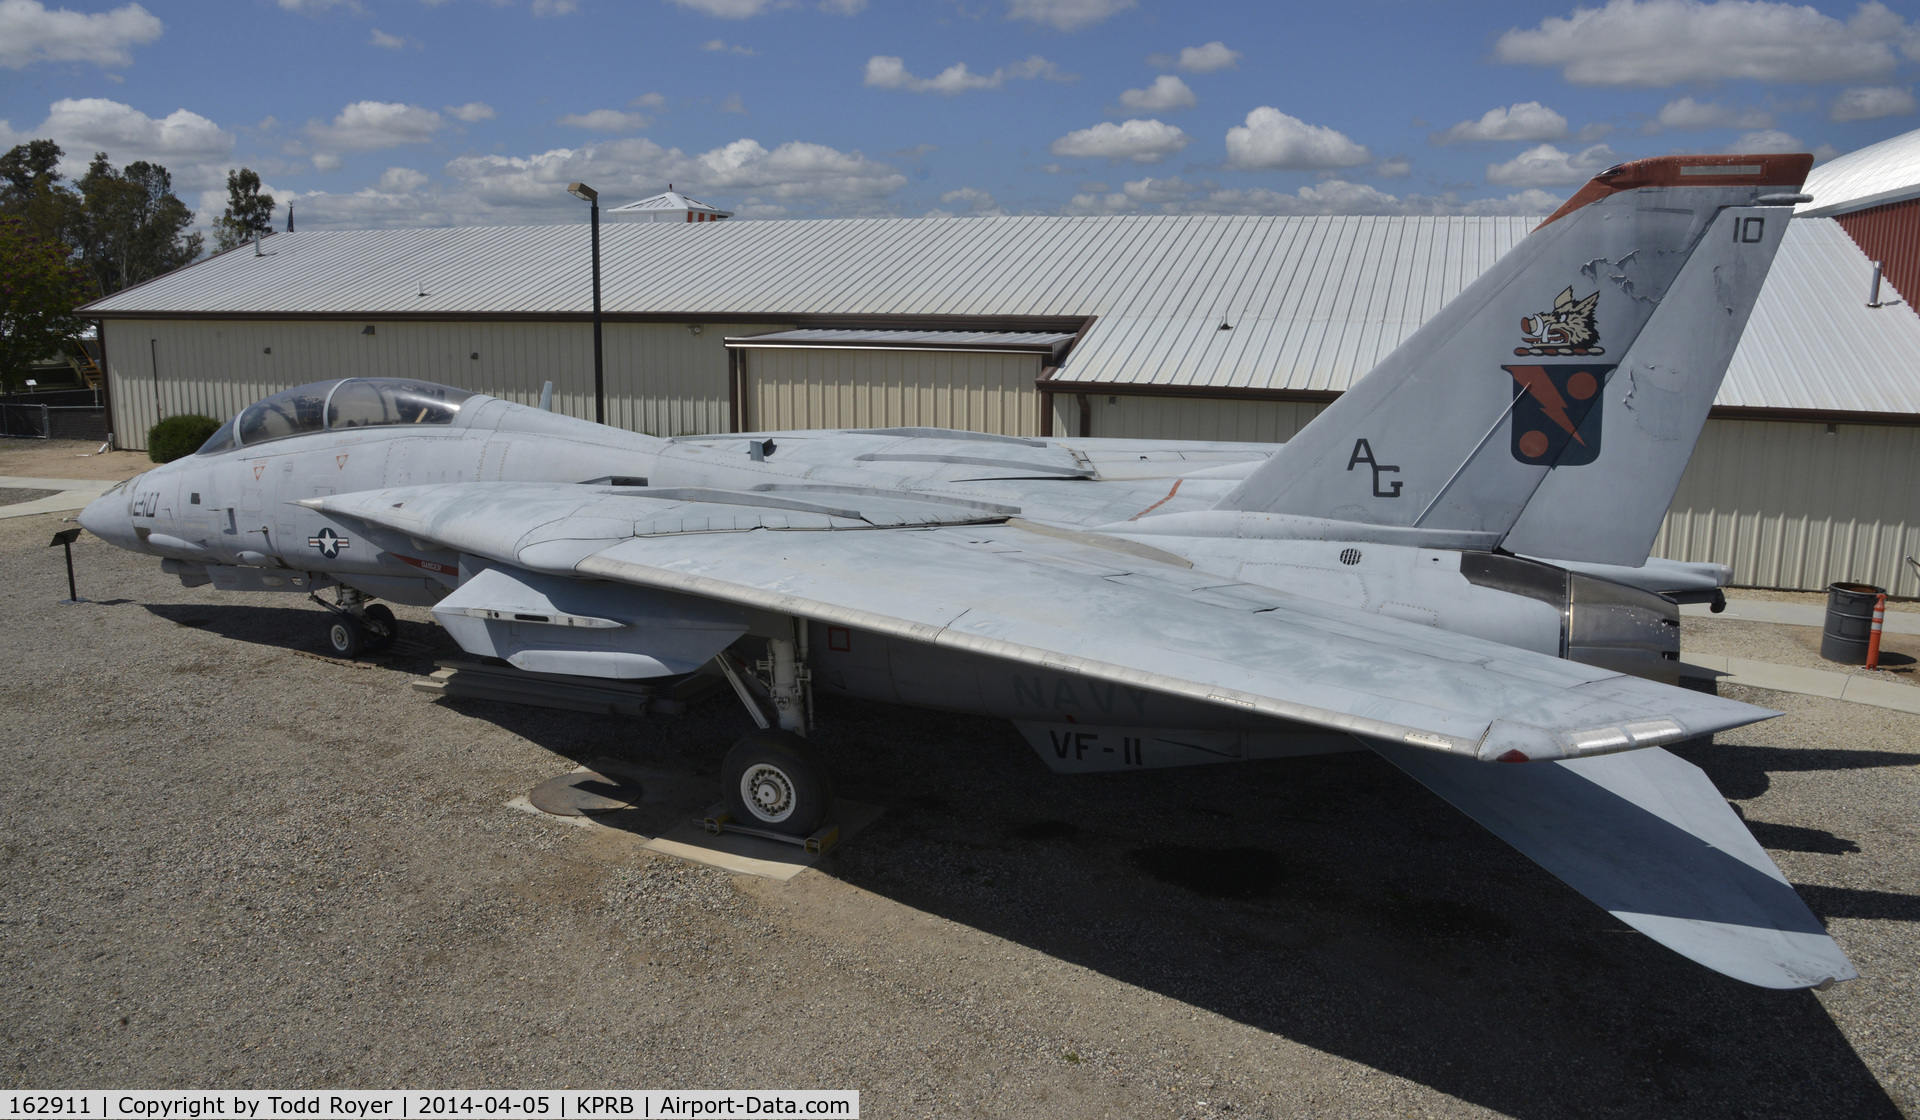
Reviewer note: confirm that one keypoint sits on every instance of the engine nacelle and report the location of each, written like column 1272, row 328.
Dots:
column 1603, row 623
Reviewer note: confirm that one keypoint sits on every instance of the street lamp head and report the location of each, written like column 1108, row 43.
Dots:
column 583, row 192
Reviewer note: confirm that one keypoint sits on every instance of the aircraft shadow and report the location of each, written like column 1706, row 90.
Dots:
column 1330, row 900
column 1337, row 903
column 302, row 628
column 1742, row 772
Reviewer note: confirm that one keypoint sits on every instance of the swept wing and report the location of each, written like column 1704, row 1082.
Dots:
column 967, row 578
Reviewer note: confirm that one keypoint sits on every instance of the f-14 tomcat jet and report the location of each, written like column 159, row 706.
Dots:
column 1449, row 566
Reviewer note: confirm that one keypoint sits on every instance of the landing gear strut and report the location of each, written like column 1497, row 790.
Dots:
column 771, row 779
column 357, row 626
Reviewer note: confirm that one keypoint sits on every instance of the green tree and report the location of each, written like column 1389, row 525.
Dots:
column 39, row 288
column 30, row 189
column 132, row 227
column 248, row 211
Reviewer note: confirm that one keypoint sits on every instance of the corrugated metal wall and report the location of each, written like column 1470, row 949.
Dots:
column 1889, row 234
column 822, row 388
column 660, row 378
column 1791, row 505
column 1143, row 417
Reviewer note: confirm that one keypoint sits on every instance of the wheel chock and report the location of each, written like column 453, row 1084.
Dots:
column 722, row 821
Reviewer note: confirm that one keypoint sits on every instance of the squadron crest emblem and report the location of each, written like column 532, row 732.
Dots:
column 1570, row 328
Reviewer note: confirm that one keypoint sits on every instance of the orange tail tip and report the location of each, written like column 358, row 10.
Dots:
column 1772, row 170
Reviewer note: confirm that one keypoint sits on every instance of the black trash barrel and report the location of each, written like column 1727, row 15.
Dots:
column 1849, row 622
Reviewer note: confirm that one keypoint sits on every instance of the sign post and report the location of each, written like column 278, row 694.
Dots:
column 65, row 538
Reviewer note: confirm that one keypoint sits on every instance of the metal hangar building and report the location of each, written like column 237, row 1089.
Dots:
column 1190, row 327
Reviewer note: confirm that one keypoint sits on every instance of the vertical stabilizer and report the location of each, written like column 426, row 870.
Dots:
column 1573, row 376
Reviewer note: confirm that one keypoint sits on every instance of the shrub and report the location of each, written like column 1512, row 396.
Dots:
column 178, row 436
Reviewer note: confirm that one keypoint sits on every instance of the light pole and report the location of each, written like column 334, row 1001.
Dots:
column 587, row 194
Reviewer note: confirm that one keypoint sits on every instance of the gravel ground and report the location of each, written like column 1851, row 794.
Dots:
column 68, row 458
column 11, row 495
column 1794, row 645
column 228, row 862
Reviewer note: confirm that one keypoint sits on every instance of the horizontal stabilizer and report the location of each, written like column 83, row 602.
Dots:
column 1647, row 836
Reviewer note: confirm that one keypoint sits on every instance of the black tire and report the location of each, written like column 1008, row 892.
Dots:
column 774, row 782
column 382, row 627
column 345, row 636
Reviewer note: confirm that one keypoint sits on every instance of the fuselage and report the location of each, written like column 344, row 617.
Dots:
column 235, row 515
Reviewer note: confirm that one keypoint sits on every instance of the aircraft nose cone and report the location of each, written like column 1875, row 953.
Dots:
column 106, row 517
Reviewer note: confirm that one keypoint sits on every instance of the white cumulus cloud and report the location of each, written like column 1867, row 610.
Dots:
column 1065, row 15
column 1871, row 103
column 1167, row 94
column 890, row 72
column 472, row 112
column 606, row 120
column 1548, row 166
column 1765, row 140
column 968, row 202
column 401, row 180
column 1529, row 121
column 794, row 178
column 1198, row 60
column 1335, row 196
column 729, row 9
column 386, row 41
column 1686, row 113
column 188, row 144
column 29, row 33
column 368, row 126
column 128, row 134
column 1665, row 42
column 1272, row 139
column 1143, row 141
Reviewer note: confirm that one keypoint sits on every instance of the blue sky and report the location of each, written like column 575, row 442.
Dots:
column 408, row 113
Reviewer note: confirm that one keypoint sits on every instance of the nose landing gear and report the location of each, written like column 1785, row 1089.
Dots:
column 357, row 626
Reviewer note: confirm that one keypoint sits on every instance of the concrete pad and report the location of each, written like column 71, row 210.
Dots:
column 1794, row 614
column 58, row 503
column 74, row 494
column 750, row 855
column 1857, row 688
column 21, row 482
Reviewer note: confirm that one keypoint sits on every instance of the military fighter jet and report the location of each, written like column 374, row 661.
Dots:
column 1449, row 566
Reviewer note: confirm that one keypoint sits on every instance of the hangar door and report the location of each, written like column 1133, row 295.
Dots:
column 980, row 381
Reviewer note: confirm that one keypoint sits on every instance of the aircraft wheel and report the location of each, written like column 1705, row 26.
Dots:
column 345, row 636
column 774, row 782
column 384, row 629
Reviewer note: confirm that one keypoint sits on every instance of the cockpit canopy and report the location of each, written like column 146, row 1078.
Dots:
column 354, row 402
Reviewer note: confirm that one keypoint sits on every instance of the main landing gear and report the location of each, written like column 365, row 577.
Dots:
column 773, row 782
column 357, row 626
